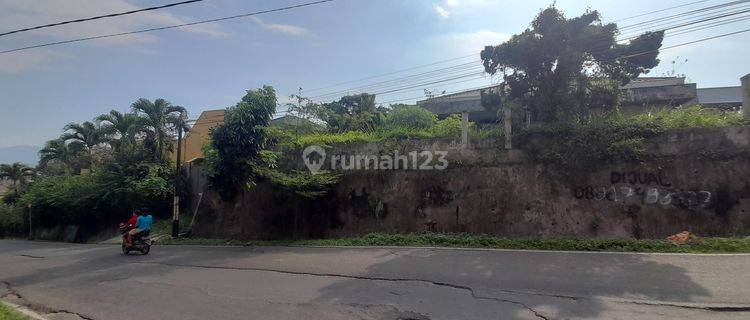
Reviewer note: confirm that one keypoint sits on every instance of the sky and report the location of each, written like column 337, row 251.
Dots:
column 210, row 66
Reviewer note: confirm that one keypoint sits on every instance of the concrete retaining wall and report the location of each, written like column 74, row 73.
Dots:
column 699, row 182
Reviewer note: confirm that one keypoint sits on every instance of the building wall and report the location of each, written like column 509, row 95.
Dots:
column 697, row 182
column 199, row 135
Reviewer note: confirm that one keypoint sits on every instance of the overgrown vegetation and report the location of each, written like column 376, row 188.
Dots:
column 690, row 117
column 605, row 139
column 96, row 172
column 8, row 314
column 238, row 141
column 697, row 245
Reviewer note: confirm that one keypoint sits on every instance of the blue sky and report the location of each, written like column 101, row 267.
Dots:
column 209, row 66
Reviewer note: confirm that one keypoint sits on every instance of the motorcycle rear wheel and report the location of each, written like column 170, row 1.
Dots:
column 146, row 249
column 125, row 250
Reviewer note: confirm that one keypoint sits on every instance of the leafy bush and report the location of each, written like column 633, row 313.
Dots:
column 327, row 139
column 448, row 127
column 689, row 117
column 11, row 196
column 410, row 117
column 12, row 222
column 98, row 199
column 582, row 146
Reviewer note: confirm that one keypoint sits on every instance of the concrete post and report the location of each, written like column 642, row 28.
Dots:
column 507, row 128
column 746, row 95
column 465, row 130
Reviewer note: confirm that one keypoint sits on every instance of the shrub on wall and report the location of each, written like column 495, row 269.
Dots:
column 690, row 117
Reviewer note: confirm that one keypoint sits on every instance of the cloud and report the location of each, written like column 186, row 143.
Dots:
column 442, row 12
column 468, row 42
column 281, row 28
column 448, row 8
column 30, row 13
column 16, row 63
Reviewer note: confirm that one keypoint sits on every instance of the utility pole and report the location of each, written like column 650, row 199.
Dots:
column 176, row 202
column 31, row 233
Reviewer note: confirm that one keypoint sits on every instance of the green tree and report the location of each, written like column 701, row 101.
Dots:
column 352, row 112
column 59, row 151
column 88, row 134
column 561, row 68
column 18, row 174
column 237, row 143
column 411, row 117
column 158, row 118
column 123, row 128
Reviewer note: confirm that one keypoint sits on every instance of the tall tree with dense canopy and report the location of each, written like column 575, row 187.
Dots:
column 17, row 173
column 561, row 68
column 237, row 142
column 158, row 117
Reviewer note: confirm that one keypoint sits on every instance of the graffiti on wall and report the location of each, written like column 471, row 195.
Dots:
column 647, row 188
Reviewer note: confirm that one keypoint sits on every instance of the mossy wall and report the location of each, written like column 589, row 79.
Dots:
column 691, row 179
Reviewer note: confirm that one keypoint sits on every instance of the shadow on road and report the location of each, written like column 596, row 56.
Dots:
column 553, row 282
column 424, row 281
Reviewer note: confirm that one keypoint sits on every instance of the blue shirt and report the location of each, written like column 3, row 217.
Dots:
column 144, row 222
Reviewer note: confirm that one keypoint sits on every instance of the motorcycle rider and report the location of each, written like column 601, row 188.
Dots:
column 130, row 225
column 142, row 224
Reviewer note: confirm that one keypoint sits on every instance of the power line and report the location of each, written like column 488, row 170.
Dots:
column 474, row 54
column 168, row 27
column 660, row 10
column 379, row 85
column 682, row 24
column 428, row 74
column 687, row 13
column 390, row 73
column 99, row 17
column 646, row 52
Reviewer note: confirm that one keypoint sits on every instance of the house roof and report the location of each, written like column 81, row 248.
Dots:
column 466, row 101
column 720, row 95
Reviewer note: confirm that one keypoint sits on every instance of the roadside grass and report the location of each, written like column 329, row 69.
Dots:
column 7, row 314
column 696, row 245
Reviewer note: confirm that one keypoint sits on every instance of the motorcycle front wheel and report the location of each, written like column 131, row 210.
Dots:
column 125, row 250
column 146, row 249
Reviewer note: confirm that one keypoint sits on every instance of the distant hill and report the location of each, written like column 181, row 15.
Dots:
column 24, row 154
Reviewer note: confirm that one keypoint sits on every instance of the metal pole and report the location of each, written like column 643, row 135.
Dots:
column 176, row 202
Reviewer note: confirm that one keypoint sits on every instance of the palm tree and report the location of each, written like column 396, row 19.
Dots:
column 59, row 150
column 158, row 117
column 123, row 127
column 17, row 173
column 89, row 134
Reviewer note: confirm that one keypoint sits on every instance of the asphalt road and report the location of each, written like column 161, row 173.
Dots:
column 192, row 282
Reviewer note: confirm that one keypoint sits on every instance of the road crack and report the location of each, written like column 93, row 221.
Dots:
column 470, row 290
column 19, row 299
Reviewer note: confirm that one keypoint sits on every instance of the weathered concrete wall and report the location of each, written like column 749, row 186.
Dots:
column 699, row 183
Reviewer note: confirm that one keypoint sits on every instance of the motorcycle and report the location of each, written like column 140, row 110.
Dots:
column 141, row 241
